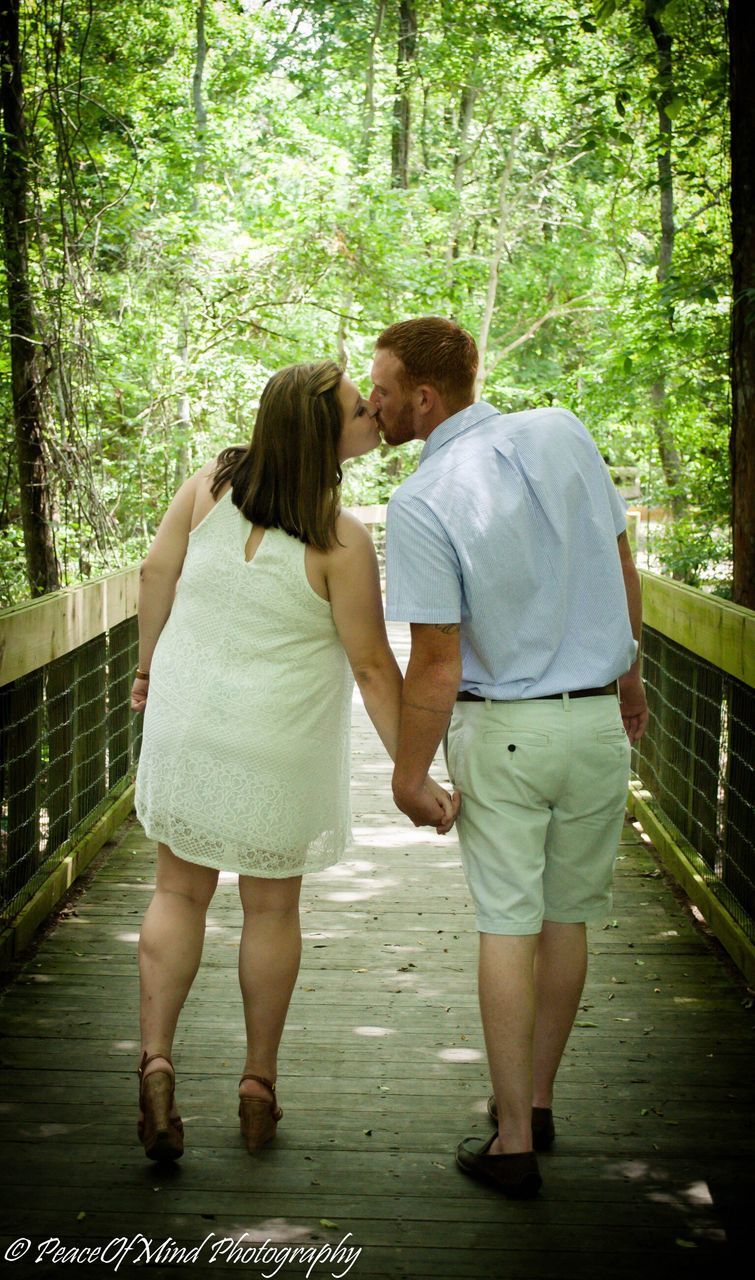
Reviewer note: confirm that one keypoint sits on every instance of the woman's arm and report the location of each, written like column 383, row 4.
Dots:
column 353, row 582
column 159, row 573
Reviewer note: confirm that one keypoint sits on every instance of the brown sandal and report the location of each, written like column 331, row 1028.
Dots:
column 259, row 1116
column 161, row 1134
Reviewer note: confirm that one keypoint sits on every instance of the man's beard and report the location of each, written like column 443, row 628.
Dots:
column 402, row 429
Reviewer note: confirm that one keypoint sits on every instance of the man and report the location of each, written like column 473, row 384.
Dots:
column 507, row 552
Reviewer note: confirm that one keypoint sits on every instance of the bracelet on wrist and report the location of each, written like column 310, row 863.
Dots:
column 141, row 675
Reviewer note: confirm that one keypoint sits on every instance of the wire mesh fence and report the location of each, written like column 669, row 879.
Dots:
column 697, row 760
column 68, row 746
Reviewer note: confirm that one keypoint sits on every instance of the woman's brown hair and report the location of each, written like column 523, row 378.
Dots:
column 288, row 477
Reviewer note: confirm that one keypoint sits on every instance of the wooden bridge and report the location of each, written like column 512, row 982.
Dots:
column 382, row 1068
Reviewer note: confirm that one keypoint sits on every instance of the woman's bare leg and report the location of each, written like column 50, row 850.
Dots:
column 269, row 958
column 170, row 947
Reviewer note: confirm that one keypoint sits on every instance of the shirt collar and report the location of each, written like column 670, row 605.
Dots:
column 455, row 426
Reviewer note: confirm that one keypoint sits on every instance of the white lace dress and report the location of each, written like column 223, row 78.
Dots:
column 245, row 756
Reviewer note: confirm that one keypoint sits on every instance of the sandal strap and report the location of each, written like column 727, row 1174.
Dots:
column 151, row 1057
column 259, row 1080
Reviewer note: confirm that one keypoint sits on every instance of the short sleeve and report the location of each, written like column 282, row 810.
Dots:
column 423, row 577
column 616, row 502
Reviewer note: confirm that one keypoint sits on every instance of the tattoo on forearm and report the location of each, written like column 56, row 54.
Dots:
column 448, row 628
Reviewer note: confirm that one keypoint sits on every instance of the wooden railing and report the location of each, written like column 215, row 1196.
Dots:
column 695, row 768
column 69, row 746
column 68, row 741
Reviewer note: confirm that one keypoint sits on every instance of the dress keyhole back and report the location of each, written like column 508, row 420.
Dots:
column 252, row 543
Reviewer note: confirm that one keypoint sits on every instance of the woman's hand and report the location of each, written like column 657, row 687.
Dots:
column 449, row 804
column 139, row 691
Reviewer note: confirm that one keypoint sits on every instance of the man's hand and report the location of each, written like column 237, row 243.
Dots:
column 139, row 691
column 450, row 805
column 633, row 705
column 430, row 806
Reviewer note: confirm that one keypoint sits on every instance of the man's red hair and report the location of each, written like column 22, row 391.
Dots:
column 437, row 352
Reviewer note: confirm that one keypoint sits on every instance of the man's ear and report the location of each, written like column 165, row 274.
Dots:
column 426, row 398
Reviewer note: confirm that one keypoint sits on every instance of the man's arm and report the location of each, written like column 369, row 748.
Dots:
column 634, row 707
column 430, row 687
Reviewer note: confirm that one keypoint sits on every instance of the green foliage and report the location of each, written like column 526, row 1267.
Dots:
column 174, row 272
column 688, row 548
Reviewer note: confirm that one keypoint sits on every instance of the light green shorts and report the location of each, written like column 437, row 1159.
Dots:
column 544, row 789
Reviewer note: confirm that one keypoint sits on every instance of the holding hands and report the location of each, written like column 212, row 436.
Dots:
column 430, row 806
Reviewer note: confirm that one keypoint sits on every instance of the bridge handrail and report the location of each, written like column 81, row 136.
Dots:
column 715, row 629
column 69, row 744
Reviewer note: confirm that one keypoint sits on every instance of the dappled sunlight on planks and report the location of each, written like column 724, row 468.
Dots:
column 461, row 1055
column 351, row 868
column 272, row 1230
column 696, row 1193
column 397, row 836
column 352, row 895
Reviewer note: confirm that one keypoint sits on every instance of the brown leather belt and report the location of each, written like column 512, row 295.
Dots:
column 465, row 696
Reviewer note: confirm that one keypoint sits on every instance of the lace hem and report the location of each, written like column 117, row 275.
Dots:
column 227, row 855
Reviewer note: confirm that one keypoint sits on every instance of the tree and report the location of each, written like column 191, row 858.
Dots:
column 741, row 22
column 248, row 176
column 667, row 449
column 368, row 127
column 407, row 48
column 25, row 348
column 495, row 260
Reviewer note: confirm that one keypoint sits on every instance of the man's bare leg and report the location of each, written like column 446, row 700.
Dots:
column 560, row 970
column 507, row 1005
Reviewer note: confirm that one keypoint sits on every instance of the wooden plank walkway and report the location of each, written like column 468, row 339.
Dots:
column 382, row 1072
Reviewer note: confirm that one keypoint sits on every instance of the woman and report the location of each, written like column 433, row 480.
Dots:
column 244, row 676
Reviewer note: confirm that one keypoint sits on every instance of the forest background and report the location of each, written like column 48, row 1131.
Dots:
column 217, row 189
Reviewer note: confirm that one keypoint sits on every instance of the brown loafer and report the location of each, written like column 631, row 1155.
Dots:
column 516, row 1175
column 543, row 1128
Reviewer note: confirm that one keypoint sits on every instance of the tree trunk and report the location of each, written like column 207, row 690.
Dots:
column 342, row 352
column 742, row 442
column 200, row 115
column 495, row 262
column 28, row 411
column 407, row 48
column 669, row 455
column 466, row 111
column 183, row 412
column 368, row 126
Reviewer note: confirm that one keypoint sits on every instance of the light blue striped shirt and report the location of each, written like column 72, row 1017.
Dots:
column 509, row 526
